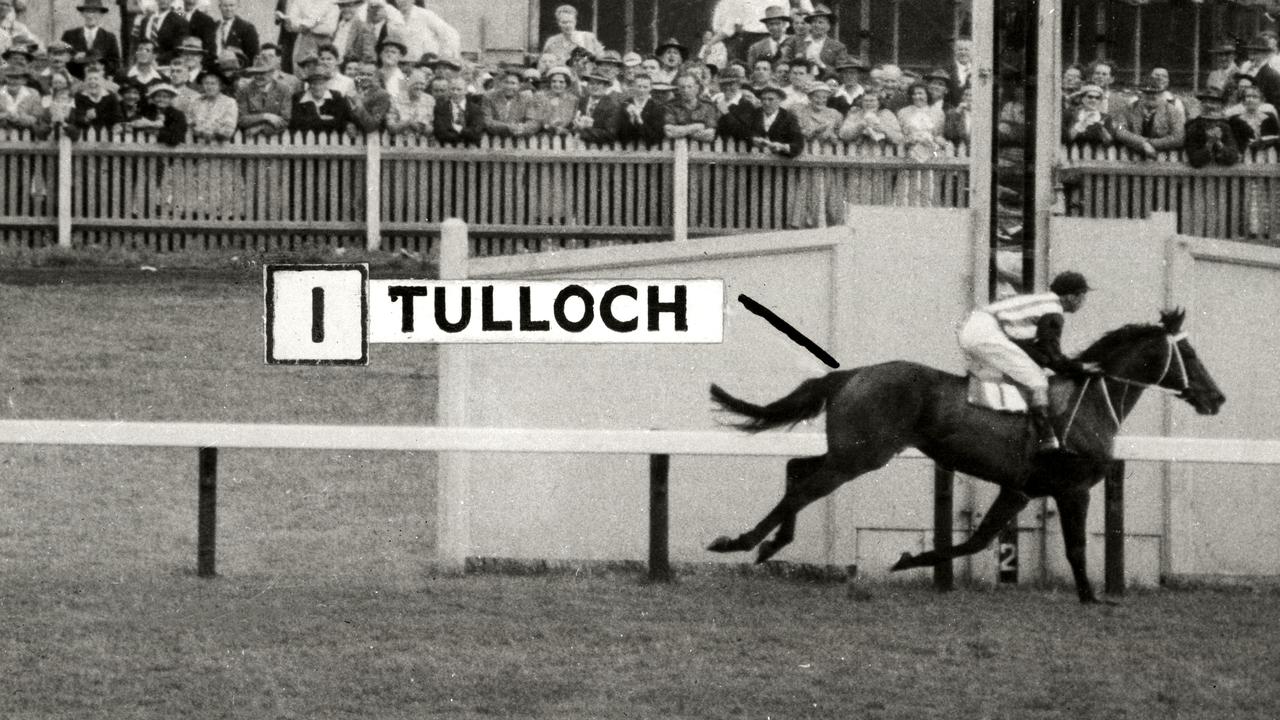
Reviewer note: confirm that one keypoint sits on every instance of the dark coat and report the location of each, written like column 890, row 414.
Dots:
column 648, row 130
column 472, row 122
column 106, row 112
column 332, row 115
column 105, row 45
column 1245, row 135
column 1268, row 81
column 170, row 35
column 203, row 26
column 606, row 120
column 1201, row 150
column 736, row 123
column 243, row 35
column 785, row 129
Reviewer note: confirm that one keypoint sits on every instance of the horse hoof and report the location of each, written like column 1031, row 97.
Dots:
column 724, row 543
column 903, row 563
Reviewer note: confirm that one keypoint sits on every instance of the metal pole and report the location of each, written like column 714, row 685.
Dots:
column 64, row 190
column 1113, row 520
column 680, row 192
column 372, row 192
column 659, row 518
column 943, row 507
column 207, row 514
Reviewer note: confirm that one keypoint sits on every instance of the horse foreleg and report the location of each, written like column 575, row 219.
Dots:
column 797, row 470
column 1005, row 508
column 1073, row 506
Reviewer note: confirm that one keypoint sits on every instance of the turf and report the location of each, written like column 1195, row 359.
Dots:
column 326, row 607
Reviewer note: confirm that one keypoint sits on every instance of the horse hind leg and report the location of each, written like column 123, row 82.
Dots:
column 1006, row 507
column 797, row 470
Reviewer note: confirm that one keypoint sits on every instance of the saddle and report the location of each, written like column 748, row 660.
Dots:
column 990, row 389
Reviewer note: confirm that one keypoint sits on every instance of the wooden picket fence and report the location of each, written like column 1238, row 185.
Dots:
column 1238, row 202
column 392, row 192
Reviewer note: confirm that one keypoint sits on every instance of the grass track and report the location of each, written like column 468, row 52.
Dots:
column 324, row 608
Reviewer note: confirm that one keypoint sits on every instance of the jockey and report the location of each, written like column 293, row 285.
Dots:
column 1020, row 335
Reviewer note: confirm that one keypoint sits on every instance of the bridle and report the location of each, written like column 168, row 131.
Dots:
column 1173, row 358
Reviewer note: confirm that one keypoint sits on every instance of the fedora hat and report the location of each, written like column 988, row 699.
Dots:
column 672, row 43
column 191, row 45
column 819, row 10
column 1226, row 48
column 776, row 12
column 446, row 62
column 849, row 62
column 610, row 57
column 97, row 6
column 23, row 50
column 939, row 74
column 393, row 39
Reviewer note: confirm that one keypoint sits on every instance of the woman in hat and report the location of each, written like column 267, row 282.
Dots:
column 561, row 45
column 413, row 113
column 558, row 103
column 19, row 105
column 167, row 122
column 1088, row 124
column 819, row 48
column 390, row 52
column 819, row 192
column 213, row 115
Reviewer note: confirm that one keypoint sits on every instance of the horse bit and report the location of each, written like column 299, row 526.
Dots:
column 1174, row 353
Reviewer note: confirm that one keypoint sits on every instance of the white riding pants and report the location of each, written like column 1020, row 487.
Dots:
column 984, row 343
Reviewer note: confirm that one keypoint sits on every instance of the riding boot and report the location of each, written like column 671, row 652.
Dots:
column 1046, row 440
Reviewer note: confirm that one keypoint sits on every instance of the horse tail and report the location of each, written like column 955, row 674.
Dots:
column 806, row 401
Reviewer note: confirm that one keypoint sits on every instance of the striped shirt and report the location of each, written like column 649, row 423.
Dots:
column 1018, row 316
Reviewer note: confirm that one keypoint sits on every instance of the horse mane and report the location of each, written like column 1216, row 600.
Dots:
column 1106, row 346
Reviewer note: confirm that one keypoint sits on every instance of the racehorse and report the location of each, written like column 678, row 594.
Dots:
column 875, row 412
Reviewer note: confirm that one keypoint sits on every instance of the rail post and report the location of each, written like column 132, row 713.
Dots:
column 207, row 514
column 680, row 192
column 372, row 192
column 1113, row 522
column 64, row 191
column 659, row 518
column 453, row 501
column 943, row 506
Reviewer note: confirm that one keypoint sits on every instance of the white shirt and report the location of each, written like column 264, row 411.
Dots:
column 427, row 32
column 769, row 119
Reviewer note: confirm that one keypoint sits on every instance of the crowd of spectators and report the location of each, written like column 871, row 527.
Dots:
column 1235, row 112
column 360, row 66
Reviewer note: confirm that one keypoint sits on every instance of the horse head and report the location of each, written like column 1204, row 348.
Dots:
column 1158, row 356
column 1188, row 374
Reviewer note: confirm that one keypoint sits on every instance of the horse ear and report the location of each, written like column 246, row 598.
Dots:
column 1172, row 320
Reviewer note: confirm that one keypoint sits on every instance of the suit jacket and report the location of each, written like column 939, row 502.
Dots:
column 169, row 36
column 606, row 120
column 203, row 26
column 331, row 115
column 242, row 35
column 1168, row 126
column 785, row 129
column 830, row 54
column 955, row 88
column 737, row 123
column 1268, row 81
column 361, row 43
column 104, row 44
column 472, row 123
column 1201, row 151
column 648, row 129
column 760, row 50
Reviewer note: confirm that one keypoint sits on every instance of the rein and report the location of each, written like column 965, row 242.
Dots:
column 1174, row 353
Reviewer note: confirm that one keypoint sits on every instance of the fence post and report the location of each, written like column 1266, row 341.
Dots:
column 680, row 192
column 1113, row 527
column 64, row 191
column 659, row 518
column 373, row 191
column 943, row 505
column 207, row 514
column 453, row 510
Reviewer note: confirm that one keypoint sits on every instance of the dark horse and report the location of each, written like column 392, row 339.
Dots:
column 875, row 412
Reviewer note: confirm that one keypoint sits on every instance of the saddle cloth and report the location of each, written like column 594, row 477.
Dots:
column 988, row 388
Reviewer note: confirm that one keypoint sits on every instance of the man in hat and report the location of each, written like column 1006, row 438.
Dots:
column 642, row 115
column 319, row 110
column 329, row 58
column 689, row 115
column 201, row 25
column 561, row 45
column 1224, row 68
column 313, row 22
column 773, row 128
column 776, row 20
column 381, row 19
column 191, row 54
column 1210, row 140
column 269, row 56
column 609, row 64
column 59, row 54
column 735, row 105
column 1265, row 68
column 92, row 39
column 1022, row 334
column 599, row 118
column 233, row 31
column 265, row 102
column 370, row 103
column 390, row 52
column 353, row 37
column 427, row 32
column 460, row 118
column 506, row 112
column 670, row 54
column 850, row 71
column 819, row 48
column 1151, row 124
column 229, row 64
column 20, row 106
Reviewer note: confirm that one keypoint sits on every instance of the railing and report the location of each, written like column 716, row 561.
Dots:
column 292, row 192
column 1237, row 202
